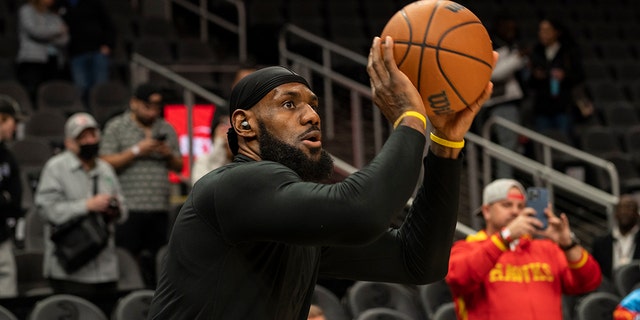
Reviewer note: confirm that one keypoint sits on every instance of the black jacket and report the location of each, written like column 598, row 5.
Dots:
column 10, row 190
column 90, row 26
column 603, row 252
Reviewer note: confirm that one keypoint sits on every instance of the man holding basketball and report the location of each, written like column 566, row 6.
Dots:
column 253, row 235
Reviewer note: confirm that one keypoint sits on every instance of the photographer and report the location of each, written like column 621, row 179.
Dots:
column 74, row 184
column 515, row 268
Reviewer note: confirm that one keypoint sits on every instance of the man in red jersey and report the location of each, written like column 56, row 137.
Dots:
column 514, row 270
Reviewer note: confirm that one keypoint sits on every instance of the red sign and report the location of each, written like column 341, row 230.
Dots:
column 176, row 115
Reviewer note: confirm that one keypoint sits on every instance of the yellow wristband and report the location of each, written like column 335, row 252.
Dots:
column 446, row 143
column 410, row 114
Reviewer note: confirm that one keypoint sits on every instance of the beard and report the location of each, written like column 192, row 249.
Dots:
column 274, row 149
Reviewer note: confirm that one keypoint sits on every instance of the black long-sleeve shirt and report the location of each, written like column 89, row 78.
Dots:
column 90, row 26
column 252, row 237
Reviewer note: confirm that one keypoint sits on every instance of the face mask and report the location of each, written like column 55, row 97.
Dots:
column 88, row 151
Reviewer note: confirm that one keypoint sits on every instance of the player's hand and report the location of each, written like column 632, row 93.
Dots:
column 453, row 126
column 392, row 90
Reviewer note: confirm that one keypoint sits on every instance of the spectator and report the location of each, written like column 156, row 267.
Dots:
column 10, row 195
column 507, row 91
column 556, row 70
column 43, row 37
column 506, row 272
column 620, row 245
column 316, row 313
column 92, row 39
column 75, row 183
column 219, row 154
column 142, row 148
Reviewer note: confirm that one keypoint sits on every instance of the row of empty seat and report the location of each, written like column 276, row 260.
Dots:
column 132, row 306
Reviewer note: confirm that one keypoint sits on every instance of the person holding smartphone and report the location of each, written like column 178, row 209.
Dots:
column 143, row 148
column 514, row 268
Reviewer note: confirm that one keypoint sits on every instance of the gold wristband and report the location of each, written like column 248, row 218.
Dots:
column 446, row 143
column 411, row 114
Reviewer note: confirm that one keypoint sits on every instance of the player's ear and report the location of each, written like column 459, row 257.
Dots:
column 243, row 123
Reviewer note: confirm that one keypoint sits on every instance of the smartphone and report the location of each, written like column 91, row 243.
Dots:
column 160, row 137
column 538, row 199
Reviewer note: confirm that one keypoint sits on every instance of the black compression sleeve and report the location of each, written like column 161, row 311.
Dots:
column 418, row 252
column 266, row 201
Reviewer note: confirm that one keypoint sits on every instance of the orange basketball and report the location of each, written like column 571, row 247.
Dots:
column 445, row 50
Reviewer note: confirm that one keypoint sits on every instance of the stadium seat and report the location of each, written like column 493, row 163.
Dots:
column 65, row 306
column 446, row 311
column 329, row 303
column 596, row 306
column 14, row 89
column 434, row 295
column 599, row 140
column 59, row 95
column 130, row 274
column 382, row 314
column 6, row 314
column 627, row 277
column 364, row 295
column 31, row 281
column 133, row 306
column 108, row 99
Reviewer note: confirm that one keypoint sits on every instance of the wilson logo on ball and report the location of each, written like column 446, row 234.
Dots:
column 444, row 50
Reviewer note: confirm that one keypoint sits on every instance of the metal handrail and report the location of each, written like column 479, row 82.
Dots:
column 205, row 16
column 549, row 145
column 552, row 177
column 542, row 171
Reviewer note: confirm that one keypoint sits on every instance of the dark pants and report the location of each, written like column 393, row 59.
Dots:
column 143, row 234
column 31, row 75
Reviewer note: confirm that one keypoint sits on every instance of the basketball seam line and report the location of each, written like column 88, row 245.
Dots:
column 464, row 101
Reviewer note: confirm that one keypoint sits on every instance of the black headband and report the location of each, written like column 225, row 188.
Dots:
column 253, row 88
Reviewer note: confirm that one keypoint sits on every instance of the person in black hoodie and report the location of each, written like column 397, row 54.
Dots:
column 10, row 195
column 92, row 39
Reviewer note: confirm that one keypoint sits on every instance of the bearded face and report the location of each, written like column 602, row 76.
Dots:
column 274, row 149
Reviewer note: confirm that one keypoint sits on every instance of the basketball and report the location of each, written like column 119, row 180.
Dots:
column 445, row 50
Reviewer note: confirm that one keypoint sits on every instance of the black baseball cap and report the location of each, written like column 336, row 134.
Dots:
column 10, row 106
column 145, row 90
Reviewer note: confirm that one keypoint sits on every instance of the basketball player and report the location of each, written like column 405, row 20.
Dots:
column 253, row 235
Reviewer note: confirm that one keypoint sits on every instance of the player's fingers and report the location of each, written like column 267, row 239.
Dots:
column 379, row 64
column 389, row 60
column 496, row 56
column 373, row 65
column 486, row 94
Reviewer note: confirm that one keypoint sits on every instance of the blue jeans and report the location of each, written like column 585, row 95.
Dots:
column 89, row 69
column 560, row 122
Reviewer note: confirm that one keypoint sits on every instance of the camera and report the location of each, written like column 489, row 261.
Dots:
column 113, row 203
column 160, row 136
